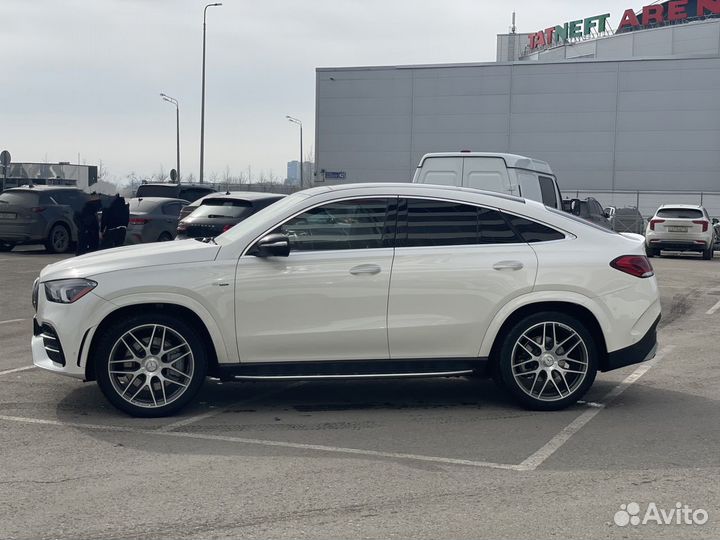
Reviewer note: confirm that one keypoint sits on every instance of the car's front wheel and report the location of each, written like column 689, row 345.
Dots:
column 150, row 365
column 548, row 361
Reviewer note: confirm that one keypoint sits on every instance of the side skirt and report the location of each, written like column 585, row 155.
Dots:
column 352, row 369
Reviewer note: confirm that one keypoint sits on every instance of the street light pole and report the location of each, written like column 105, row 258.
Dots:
column 202, row 106
column 174, row 101
column 299, row 123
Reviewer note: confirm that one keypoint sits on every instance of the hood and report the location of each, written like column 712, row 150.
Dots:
column 130, row 257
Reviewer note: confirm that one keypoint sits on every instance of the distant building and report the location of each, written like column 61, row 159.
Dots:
column 51, row 174
column 293, row 173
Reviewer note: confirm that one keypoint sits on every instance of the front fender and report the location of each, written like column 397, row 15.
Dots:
column 591, row 304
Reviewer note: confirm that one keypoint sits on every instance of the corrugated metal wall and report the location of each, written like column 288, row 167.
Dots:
column 602, row 125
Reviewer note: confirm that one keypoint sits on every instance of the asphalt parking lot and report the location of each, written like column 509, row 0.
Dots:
column 435, row 459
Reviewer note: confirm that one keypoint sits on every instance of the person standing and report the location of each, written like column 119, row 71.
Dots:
column 114, row 223
column 88, row 226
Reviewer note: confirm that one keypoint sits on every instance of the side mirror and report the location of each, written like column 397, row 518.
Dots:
column 575, row 207
column 272, row 245
column 606, row 214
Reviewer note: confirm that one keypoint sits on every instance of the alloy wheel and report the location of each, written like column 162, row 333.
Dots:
column 60, row 239
column 549, row 361
column 151, row 366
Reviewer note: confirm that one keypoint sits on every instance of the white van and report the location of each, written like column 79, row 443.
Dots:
column 504, row 173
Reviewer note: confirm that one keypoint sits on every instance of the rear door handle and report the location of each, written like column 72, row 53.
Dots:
column 508, row 265
column 365, row 269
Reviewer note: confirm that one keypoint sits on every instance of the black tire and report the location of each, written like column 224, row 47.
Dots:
column 165, row 237
column 576, row 387
column 708, row 253
column 108, row 345
column 651, row 252
column 58, row 240
column 5, row 247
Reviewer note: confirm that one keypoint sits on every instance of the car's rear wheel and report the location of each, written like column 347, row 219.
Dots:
column 150, row 365
column 651, row 252
column 165, row 237
column 58, row 240
column 548, row 361
column 5, row 246
column 708, row 253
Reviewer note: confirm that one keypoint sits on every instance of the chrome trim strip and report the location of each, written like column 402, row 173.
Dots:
column 357, row 376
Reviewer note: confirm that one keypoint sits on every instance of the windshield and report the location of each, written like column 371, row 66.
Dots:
column 259, row 217
column 223, row 208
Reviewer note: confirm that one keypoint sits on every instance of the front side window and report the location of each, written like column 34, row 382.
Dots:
column 443, row 223
column 353, row 224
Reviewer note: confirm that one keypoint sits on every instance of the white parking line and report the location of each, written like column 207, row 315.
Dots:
column 9, row 321
column 192, row 419
column 713, row 309
column 554, row 444
column 8, row 371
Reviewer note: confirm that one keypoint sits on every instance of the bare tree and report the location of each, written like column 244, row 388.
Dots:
column 160, row 175
column 190, row 178
column 101, row 171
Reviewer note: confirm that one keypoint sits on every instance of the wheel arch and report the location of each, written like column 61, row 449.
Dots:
column 580, row 312
column 165, row 307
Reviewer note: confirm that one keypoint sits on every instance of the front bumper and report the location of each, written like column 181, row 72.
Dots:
column 639, row 352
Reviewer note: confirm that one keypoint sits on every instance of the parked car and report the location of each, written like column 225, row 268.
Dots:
column 219, row 212
column 40, row 215
column 627, row 219
column 356, row 281
column 153, row 219
column 588, row 208
column 503, row 173
column 680, row 227
column 187, row 192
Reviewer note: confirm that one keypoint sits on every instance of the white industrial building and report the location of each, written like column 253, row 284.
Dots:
column 634, row 111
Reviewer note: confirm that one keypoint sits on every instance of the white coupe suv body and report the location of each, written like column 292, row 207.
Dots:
column 365, row 280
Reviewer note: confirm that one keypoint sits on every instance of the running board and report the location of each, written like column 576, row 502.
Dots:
column 351, row 369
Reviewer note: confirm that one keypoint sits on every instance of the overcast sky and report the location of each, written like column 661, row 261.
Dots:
column 85, row 76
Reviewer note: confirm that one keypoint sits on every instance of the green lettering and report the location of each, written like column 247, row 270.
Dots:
column 561, row 33
column 574, row 29
column 602, row 22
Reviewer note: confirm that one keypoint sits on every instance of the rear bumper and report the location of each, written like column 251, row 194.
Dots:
column 639, row 352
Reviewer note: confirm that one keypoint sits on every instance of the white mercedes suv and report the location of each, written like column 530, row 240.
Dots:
column 356, row 281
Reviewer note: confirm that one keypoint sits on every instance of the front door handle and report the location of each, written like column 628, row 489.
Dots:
column 508, row 265
column 365, row 269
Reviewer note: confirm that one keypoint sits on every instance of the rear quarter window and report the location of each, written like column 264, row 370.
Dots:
column 532, row 231
column 19, row 198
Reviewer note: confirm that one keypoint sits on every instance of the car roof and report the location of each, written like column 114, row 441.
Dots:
column 409, row 188
column 45, row 188
column 246, row 195
column 511, row 160
column 688, row 206
column 159, row 200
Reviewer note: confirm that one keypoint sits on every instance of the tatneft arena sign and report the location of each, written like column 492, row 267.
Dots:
column 656, row 14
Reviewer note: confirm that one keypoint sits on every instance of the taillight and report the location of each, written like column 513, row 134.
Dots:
column 654, row 221
column 138, row 221
column 38, row 209
column 635, row 265
column 701, row 222
column 228, row 227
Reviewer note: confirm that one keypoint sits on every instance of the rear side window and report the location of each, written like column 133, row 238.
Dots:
column 548, row 192
column 151, row 190
column 19, row 198
column 532, row 231
column 444, row 223
column 74, row 199
column 680, row 213
column 172, row 209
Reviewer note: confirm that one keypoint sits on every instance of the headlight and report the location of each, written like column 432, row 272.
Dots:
column 35, row 289
column 67, row 291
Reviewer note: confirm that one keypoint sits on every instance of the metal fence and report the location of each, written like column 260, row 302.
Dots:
column 649, row 201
